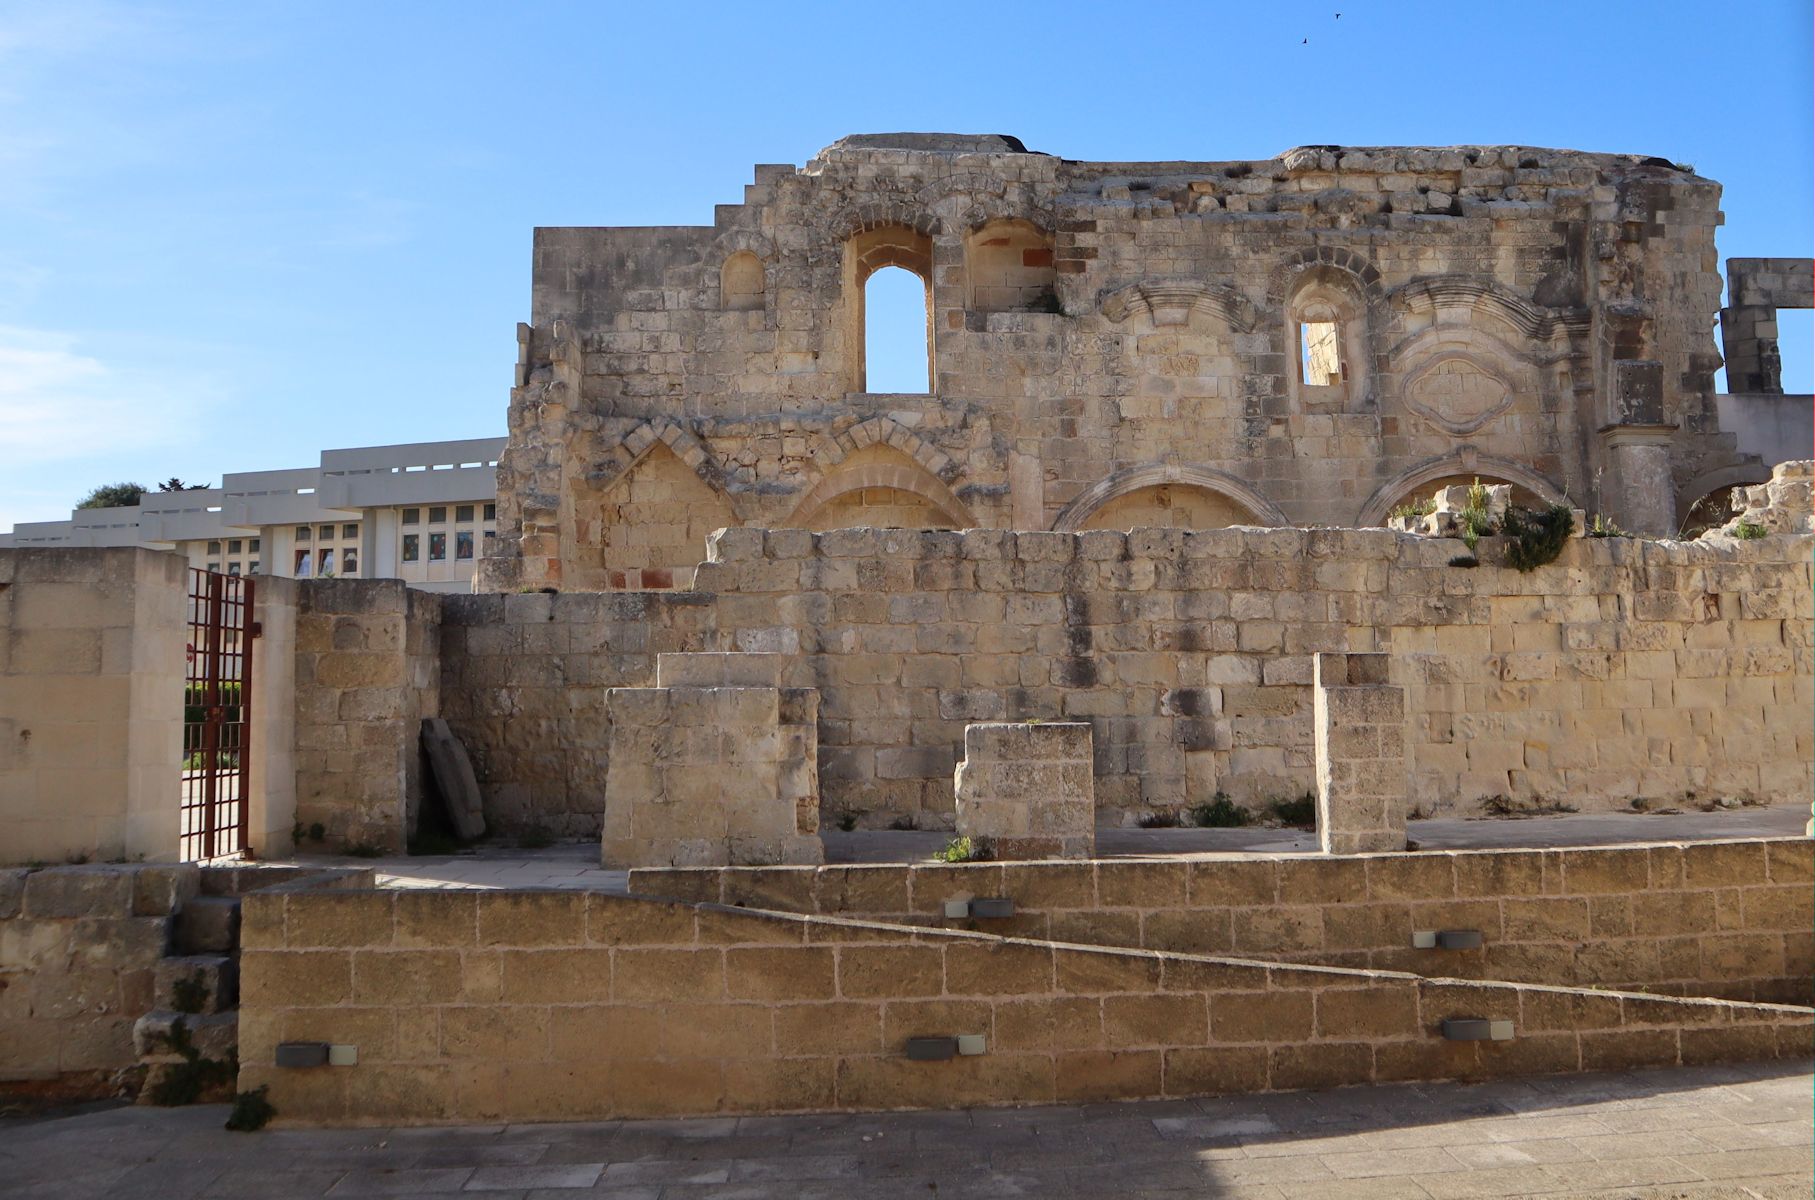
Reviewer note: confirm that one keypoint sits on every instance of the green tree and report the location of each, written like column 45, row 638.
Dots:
column 173, row 484
column 113, row 495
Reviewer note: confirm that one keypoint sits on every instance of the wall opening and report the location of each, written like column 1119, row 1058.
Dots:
column 740, row 283
column 1008, row 266
column 897, row 332
column 1320, row 354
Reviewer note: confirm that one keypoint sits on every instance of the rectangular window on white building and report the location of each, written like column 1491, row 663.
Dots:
column 463, row 514
column 437, row 547
column 412, row 547
column 254, row 546
column 349, row 532
column 327, row 562
column 438, row 515
column 303, row 533
column 463, row 544
column 304, row 560
column 412, row 516
column 349, row 561
column 214, row 548
column 235, row 545
column 491, row 512
column 327, row 533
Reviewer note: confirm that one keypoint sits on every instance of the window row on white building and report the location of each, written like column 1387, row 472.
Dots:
column 424, row 513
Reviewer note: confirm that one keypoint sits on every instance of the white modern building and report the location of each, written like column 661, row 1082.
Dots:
column 420, row 512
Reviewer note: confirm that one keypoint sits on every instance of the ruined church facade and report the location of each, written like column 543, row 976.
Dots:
column 1311, row 339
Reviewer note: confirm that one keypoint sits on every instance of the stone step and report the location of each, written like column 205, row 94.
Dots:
column 211, row 1035
column 197, row 983
column 208, row 925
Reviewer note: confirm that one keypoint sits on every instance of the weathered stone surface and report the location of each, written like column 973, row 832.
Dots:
column 1024, row 790
column 1105, row 341
column 1362, row 776
column 711, row 775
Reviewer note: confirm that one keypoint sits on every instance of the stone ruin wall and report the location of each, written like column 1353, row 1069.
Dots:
column 1113, row 345
column 1628, row 669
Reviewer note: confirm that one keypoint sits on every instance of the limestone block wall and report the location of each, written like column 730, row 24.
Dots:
column 79, row 948
column 91, row 703
column 1732, row 919
column 1024, row 789
column 1360, row 742
column 1482, row 299
column 368, row 669
column 1625, row 669
column 564, row 1005
column 711, row 774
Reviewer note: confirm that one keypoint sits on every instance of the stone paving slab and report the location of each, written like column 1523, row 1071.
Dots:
column 1705, row 1133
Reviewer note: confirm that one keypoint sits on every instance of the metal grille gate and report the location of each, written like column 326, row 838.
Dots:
column 217, row 703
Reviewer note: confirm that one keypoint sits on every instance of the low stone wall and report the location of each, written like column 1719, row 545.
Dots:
column 368, row 669
column 79, row 948
column 521, row 1006
column 1625, row 669
column 1730, row 919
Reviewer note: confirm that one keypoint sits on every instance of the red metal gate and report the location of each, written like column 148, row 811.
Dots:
column 217, row 710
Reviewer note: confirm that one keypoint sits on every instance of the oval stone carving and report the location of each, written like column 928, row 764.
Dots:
column 1457, row 394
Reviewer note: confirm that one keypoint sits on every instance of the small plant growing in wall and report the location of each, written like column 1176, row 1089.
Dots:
column 252, row 1111
column 1300, row 812
column 1220, row 813
column 1416, row 508
column 1537, row 537
column 1747, row 531
column 189, row 995
column 965, row 849
column 1603, row 527
column 193, row 1078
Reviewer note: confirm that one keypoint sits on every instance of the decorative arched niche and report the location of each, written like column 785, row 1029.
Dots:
column 879, row 486
column 741, row 283
column 1420, row 482
column 1008, row 267
column 1166, row 495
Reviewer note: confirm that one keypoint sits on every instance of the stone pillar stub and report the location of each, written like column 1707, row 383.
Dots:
column 1646, row 495
column 1362, row 779
column 712, row 776
column 1027, row 789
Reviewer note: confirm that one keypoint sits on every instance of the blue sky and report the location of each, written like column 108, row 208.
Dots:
column 232, row 235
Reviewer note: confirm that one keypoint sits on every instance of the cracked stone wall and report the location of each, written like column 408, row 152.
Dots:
column 1108, row 341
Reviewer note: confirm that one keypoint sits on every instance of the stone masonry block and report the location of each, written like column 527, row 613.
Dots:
column 1027, row 789
column 711, row 775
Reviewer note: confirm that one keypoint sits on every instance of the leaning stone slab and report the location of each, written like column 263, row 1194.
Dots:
column 454, row 778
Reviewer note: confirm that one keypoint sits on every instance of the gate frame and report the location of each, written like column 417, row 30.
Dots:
column 217, row 604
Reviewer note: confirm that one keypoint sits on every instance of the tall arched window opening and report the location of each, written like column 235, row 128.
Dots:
column 897, row 332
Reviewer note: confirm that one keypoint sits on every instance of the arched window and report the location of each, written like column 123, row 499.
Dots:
column 889, row 310
column 1325, row 321
column 895, row 333
column 740, row 283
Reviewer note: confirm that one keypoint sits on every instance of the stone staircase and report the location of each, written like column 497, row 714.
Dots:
column 189, row 1042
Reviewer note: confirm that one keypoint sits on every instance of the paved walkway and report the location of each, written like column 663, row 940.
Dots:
column 1695, row 1134
column 572, row 865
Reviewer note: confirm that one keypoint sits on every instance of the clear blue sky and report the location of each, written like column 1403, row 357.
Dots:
column 232, row 235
